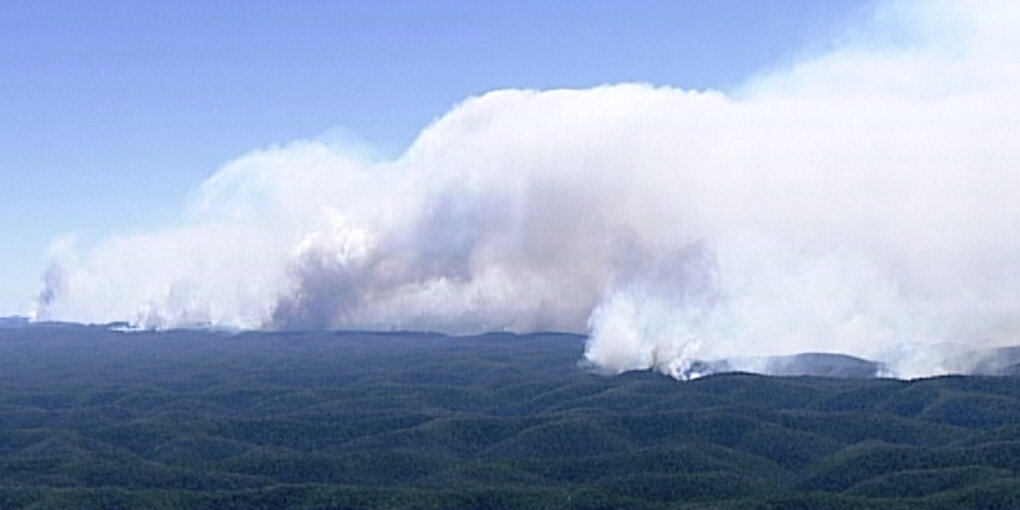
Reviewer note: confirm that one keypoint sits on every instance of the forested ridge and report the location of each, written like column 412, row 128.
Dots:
column 96, row 418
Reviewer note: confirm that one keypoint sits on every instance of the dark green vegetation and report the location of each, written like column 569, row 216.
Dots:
column 91, row 418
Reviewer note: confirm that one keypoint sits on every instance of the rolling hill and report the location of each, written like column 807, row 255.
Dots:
column 97, row 418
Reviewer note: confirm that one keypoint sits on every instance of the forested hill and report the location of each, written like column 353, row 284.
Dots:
column 95, row 418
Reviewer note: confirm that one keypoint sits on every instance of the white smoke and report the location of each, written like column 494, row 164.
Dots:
column 864, row 201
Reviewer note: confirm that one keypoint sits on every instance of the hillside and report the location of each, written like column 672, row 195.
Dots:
column 94, row 418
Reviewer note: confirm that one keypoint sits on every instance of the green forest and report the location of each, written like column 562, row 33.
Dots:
column 91, row 417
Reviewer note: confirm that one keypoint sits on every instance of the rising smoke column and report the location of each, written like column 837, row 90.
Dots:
column 866, row 201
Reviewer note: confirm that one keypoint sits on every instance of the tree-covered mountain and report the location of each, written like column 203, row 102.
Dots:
column 96, row 418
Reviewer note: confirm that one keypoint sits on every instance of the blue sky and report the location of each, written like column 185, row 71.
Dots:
column 110, row 112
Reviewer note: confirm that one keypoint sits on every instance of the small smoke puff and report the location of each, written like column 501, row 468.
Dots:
column 865, row 201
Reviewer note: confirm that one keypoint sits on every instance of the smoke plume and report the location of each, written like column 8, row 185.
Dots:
column 864, row 201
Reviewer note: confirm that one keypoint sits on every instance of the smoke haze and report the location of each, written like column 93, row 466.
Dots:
column 863, row 201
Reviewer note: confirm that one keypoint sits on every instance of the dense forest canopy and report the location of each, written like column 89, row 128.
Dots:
column 91, row 417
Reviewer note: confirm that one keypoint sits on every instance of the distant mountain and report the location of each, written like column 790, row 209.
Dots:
column 13, row 322
column 814, row 364
column 998, row 361
column 818, row 364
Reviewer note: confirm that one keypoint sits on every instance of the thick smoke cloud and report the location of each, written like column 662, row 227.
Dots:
column 864, row 201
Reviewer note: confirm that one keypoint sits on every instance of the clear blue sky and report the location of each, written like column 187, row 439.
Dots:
column 111, row 111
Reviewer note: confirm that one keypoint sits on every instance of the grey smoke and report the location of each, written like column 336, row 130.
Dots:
column 864, row 201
